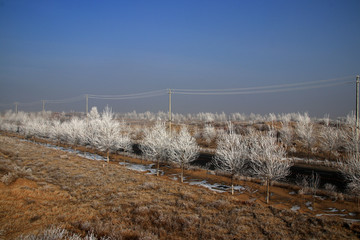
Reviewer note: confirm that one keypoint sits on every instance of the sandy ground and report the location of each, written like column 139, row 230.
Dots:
column 42, row 187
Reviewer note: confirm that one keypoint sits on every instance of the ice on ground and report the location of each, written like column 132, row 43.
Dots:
column 239, row 188
column 320, row 197
column 309, row 205
column 213, row 187
column 140, row 167
column 216, row 186
column 292, row 193
column 329, row 214
column 295, row 208
column 332, row 210
column 174, row 177
column 352, row 214
column 86, row 155
column 351, row 220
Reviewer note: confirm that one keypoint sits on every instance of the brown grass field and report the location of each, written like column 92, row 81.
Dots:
column 43, row 188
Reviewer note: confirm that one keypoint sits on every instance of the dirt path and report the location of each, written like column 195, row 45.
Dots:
column 44, row 187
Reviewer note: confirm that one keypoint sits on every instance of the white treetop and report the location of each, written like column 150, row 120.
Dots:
column 351, row 140
column 156, row 143
column 268, row 160
column 184, row 149
column 73, row 131
column 305, row 131
column 231, row 153
column 286, row 134
column 109, row 137
column 209, row 132
column 351, row 169
column 330, row 139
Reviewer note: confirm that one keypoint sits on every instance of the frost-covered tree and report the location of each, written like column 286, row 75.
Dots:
column 272, row 117
column 330, row 139
column 351, row 140
column 351, row 170
column 156, row 143
column 268, row 160
column 73, row 131
column 286, row 134
column 305, row 132
column 56, row 131
column 36, row 126
column 231, row 155
column 209, row 133
column 183, row 150
column 108, row 137
column 92, row 126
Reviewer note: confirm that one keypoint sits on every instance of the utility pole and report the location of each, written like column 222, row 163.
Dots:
column 16, row 107
column 87, row 104
column 170, row 111
column 43, row 105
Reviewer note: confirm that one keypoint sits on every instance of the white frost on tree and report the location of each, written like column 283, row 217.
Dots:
column 183, row 150
column 268, row 160
column 286, row 135
column 209, row 133
column 231, row 154
column 156, row 143
column 109, row 137
column 351, row 170
column 351, row 140
column 73, row 131
column 330, row 139
column 305, row 132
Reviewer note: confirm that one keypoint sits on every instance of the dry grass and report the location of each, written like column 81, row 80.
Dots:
column 84, row 198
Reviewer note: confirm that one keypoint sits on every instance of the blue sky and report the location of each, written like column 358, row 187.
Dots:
column 59, row 49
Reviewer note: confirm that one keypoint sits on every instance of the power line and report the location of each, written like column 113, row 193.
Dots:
column 28, row 104
column 266, row 87
column 130, row 96
column 66, row 100
column 261, row 91
column 6, row 104
column 228, row 91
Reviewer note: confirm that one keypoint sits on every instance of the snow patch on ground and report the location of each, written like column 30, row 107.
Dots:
column 309, row 205
column 86, row 155
column 295, row 208
column 141, row 168
column 332, row 210
column 216, row 187
column 329, row 214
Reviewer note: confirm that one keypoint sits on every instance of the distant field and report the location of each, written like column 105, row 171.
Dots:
column 43, row 188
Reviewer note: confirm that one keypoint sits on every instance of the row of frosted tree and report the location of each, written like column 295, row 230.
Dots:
column 239, row 150
column 209, row 117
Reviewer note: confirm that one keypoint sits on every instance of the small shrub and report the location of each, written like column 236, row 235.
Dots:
column 9, row 178
column 330, row 187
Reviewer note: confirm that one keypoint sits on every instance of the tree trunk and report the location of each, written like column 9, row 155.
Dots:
column 232, row 184
column 267, row 191
column 182, row 172
column 158, row 167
